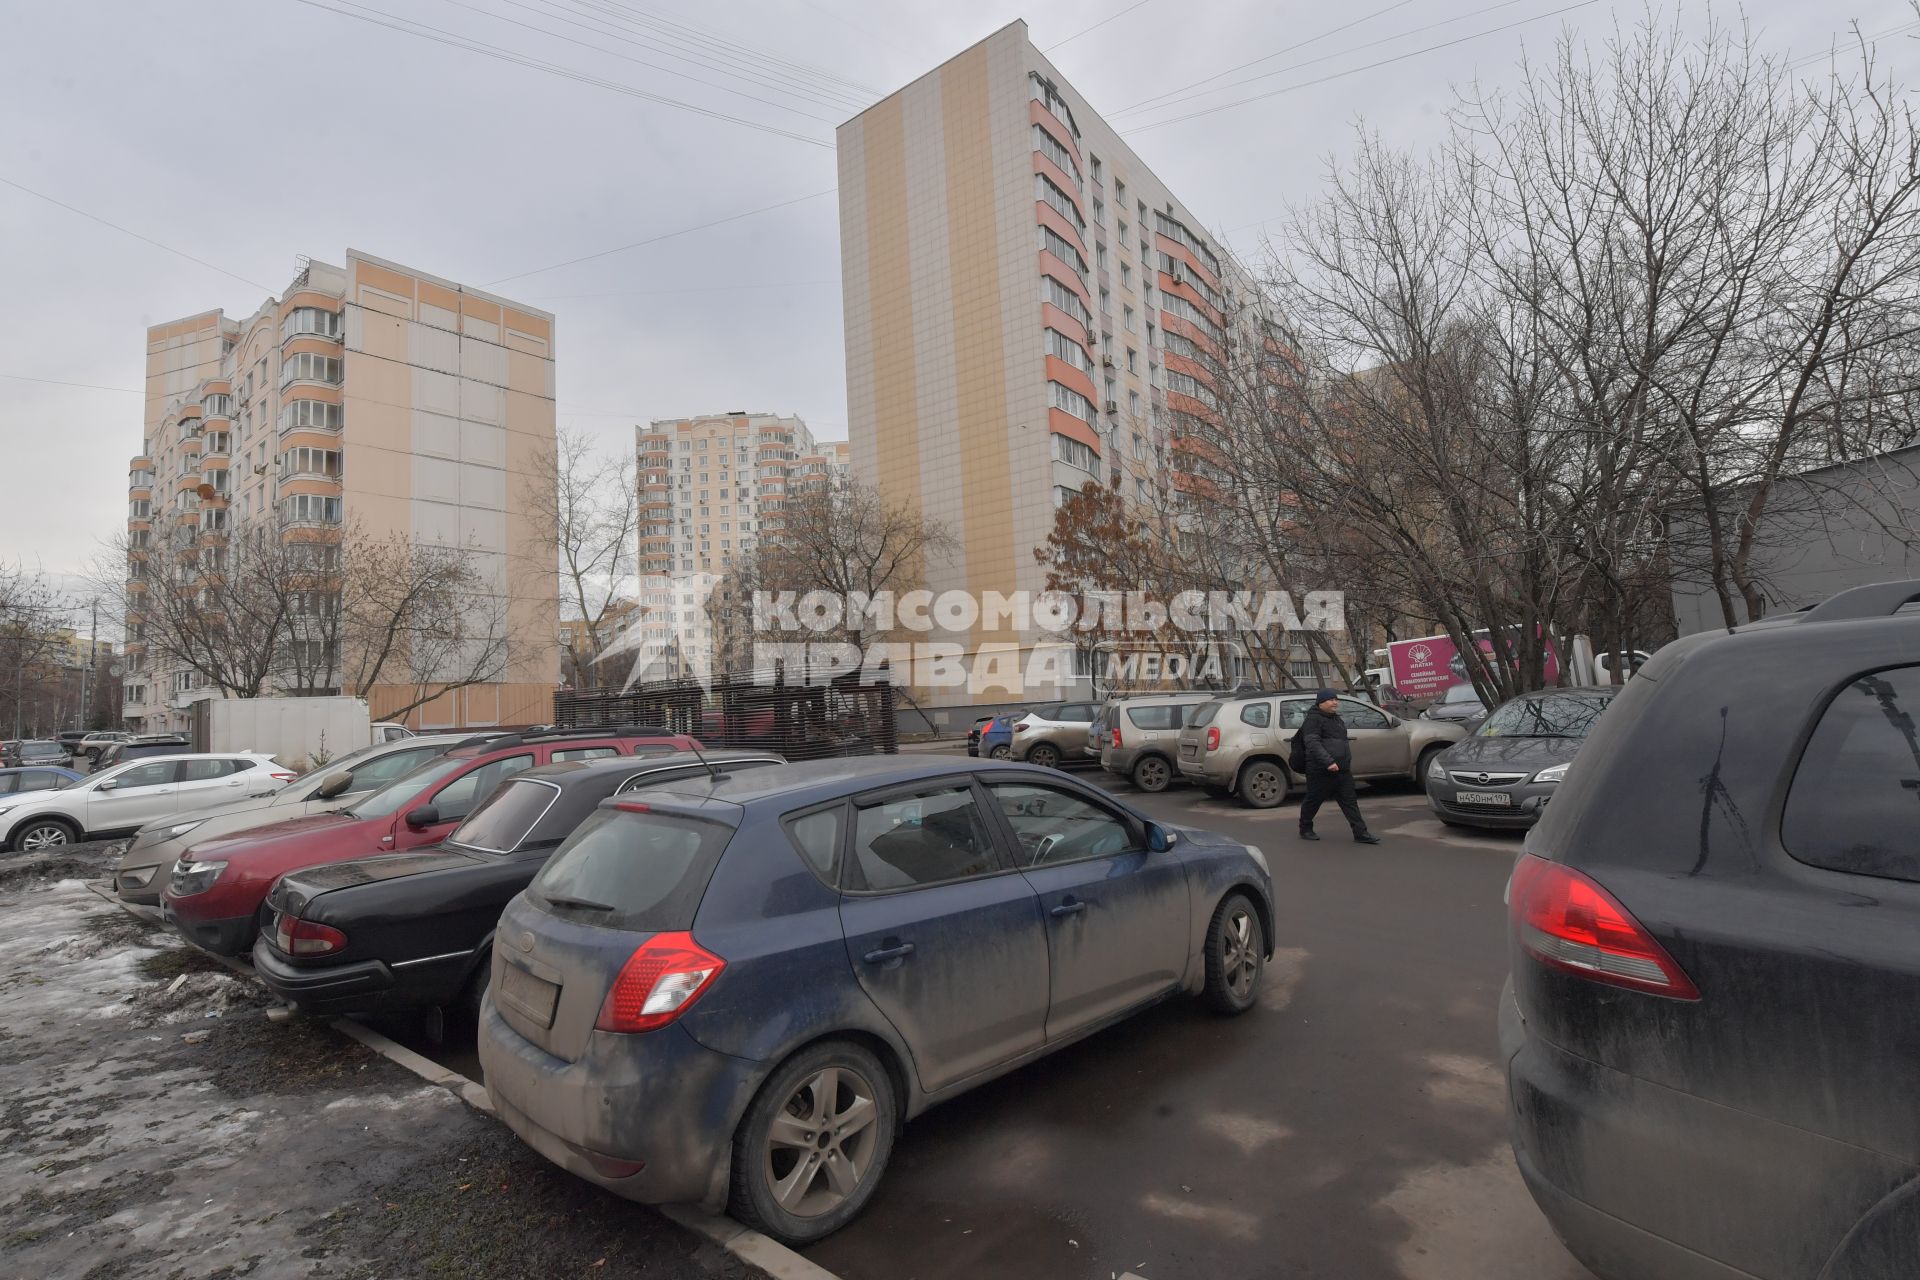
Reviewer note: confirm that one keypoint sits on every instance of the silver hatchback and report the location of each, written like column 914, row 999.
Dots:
column 1139, row 738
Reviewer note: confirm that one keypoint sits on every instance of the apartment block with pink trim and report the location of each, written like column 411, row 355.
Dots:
column 1022, row 296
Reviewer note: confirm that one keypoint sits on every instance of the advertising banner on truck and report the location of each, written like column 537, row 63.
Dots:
column 1428, row 667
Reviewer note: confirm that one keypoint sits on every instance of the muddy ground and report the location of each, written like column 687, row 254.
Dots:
column 155, row 1123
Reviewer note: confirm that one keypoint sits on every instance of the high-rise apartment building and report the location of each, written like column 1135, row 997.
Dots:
column 709, row 487
column 1025, row 301
column 372, row 397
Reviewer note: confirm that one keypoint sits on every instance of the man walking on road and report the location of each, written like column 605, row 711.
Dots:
column 1329, row 760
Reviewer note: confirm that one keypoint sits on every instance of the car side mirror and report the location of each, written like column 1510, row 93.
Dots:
column 1160, row 839
column 425, row 816
column 333, row 784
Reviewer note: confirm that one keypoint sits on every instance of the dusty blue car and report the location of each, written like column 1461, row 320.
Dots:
column 734, row 991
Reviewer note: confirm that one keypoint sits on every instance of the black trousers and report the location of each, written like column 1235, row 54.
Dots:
column 1320, row 785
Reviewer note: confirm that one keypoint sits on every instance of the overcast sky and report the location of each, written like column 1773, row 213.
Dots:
column 214, row 126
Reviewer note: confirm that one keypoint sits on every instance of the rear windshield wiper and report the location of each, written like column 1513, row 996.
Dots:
column 585, row 904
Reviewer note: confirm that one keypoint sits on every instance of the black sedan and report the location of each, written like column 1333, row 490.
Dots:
column 1505, row 772
column 414, row 930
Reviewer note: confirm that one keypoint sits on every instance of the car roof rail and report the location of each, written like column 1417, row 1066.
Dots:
column 552, row 733
column 1876, row 600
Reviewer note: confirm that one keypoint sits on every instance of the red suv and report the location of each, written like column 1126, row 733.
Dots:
column 216, row 889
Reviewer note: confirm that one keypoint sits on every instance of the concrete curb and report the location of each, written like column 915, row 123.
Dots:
column 743, row 1242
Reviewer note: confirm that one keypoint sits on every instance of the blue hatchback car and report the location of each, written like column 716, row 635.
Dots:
column 734, row 991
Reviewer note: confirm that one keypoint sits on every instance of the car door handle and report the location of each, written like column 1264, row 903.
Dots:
column 1069, row 907
column 884, row 954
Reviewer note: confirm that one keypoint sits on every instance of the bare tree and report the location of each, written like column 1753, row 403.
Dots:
column 586, row 506
column 31, row 611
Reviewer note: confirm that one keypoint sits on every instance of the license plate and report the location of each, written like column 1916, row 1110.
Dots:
column 1500, row 798
column 533, row 997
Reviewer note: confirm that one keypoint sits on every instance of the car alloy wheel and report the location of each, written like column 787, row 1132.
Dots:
column 814, row 1143
column 820, row 1146
column 1236, row 953
column 44, row 835
column 1000, row 752
column 1044, row 755
column 1152, row 774
column 1264, row 786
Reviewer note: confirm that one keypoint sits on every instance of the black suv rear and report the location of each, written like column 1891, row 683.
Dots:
column 1712, row 1030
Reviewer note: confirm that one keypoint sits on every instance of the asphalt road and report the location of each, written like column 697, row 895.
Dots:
column 1350, row 1127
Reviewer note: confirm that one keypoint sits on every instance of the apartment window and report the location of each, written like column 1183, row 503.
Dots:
column 1128, row 320
column 1061, row 347
column 1133, row 361
column 1192, row 387
column 1139, row 445
column 1093, row 163
column 310, row 320
column 1120, row 193
column 1133, row 403
column 703, row 444
column 1152, row 333
column 1074, row 453
column 213, row 520
column 217, row 442
column 1061, row 493
column 1052, row 291
column 310, row 508
column 1071, row 401
column 1106, row 303
column 704, row 477
column 1140, row 489
column 309, row 414
column 218, row 479
column 140, row 509
column 686, row 446
column 1057, row 245
column 1100, row 256
column 1099, row 212
column 306, row 461
column 217, row 406
column 1049, row 146
column 1044, row 189
column 1123, row 229
column 140, row 479
column 1126, row 276
column 306, row 366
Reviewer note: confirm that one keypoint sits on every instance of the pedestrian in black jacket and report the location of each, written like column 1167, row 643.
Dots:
column 1329, row 768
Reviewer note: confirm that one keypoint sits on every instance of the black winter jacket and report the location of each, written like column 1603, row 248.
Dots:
column 1325, row 737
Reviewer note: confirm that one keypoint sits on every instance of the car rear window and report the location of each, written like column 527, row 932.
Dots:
column 1160, row 717
column 1856, row 791
column 627, row 870
column 1203, row 715
column 504, row 818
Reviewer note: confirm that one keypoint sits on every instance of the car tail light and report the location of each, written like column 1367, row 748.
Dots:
column 1566, row 920
column 305, row 938
column 658, row 983
column 632, row 806
column 1116, row 735
column 1022, row 727
column 1213, row 739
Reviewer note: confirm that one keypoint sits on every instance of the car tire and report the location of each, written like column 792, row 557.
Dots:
column 770, row 1190
column 1236, row 956
column 476, row 989
column 1152, row 774
column 39, row 834
column 1001, row 752
column 1263, row 785
column 1421, row 766
column 1044, row 754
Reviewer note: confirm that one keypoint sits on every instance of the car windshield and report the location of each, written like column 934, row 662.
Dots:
column 41, row 750
column 505, row 817
column 347, row 761
column 1461, row 693
column 396, row 795
column 623, row 869
column 1557, row 715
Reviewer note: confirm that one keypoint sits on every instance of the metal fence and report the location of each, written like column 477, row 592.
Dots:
column 800, row 721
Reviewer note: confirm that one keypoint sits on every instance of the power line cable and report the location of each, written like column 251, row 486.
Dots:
column 1338, row 53
column 1095, row 27
column 742, row 57
column 422, row 31
column 85, row 386
column 1267, row 57
column 712, row 288
column 669, row 235
column 625, row 57
column 1832, row 50
column 127, row 231
column 852, row 26
column 696, row 30
column 1384, row 62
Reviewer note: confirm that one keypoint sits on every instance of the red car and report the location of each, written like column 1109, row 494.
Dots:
column 215, row 893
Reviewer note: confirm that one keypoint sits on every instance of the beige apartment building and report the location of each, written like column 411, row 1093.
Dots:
column 371, row 396
column 1024, row 300
column 709, row 487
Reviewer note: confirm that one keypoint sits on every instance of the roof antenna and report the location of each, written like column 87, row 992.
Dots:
column 715, row 774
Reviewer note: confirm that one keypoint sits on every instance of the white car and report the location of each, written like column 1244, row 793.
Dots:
column 122, row 799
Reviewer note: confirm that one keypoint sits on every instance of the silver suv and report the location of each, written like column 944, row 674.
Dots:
column 1052, row 735
column 1240, row 746
column 1139, row 738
